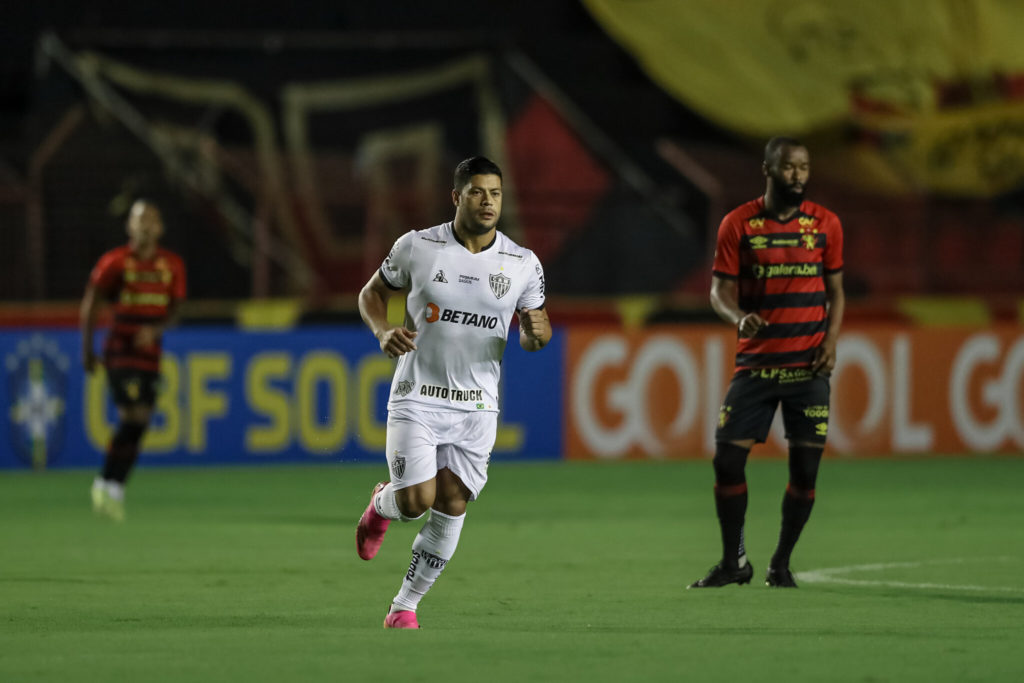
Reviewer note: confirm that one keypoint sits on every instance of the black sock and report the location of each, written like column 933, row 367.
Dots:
column 731, row 500
column 796, row 509
column 123, row 451
column 798, row 500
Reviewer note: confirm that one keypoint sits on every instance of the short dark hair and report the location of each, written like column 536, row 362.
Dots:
column 472, row 166
column 771, row 150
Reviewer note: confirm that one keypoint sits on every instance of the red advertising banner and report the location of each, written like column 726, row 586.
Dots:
column 895, row 390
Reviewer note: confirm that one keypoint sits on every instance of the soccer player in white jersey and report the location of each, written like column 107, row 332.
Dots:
column 464, row 281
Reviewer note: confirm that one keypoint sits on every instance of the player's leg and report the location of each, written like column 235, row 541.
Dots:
column 745, row 419
column 806, row 417
column 435, row 544
column 411, row 449
column 461, row 476
column 134, row 394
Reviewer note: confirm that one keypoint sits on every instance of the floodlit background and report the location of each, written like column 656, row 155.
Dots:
column 289, row 144
column 288, row 147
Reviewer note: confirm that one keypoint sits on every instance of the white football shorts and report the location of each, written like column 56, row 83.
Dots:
column 421, row 442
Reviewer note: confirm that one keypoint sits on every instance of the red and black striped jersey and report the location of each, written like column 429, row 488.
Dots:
column 780, row 269
column 141, row 291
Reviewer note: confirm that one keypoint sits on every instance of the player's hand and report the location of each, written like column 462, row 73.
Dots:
column 89, row 361
column 397, row 341
column 824, row 358
column 750, row 324
column 534, row 323
column 146, row 336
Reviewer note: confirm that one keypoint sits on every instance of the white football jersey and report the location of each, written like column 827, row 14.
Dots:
column 461, row 305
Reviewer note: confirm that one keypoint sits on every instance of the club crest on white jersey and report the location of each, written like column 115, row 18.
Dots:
column 499, row 284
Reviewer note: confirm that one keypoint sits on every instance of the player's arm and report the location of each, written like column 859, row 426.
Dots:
column 534, row 328
column 92, row 302
column 373, row 307
column 825, row 355
column 725, row 299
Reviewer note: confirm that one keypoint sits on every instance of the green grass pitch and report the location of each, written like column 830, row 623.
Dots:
column 910, row 570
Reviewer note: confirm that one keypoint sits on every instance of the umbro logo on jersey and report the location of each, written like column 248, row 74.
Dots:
column 440, row 277
column 499, row 284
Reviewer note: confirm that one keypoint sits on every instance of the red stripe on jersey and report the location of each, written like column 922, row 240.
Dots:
column 796, row 285
column 798, row 315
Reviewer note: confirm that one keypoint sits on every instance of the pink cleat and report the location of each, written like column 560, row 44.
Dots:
column 402, row 619
column 371, row 528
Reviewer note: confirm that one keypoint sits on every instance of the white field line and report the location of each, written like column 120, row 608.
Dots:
column 834, row 575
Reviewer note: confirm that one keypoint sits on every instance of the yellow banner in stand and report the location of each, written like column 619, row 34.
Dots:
column 975, row 151
column 765, row 67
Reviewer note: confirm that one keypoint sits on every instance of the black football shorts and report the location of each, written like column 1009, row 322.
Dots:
column 754, row 395
column 129, row 386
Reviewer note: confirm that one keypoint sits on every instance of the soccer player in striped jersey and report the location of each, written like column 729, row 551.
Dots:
column 777, row 278
column 144, row 283
column 464, row 281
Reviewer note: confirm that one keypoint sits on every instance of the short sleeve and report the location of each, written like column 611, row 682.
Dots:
column 727, row 249
column 106, row 274
column 833, row 257
column 533, row 295
column 398, row 264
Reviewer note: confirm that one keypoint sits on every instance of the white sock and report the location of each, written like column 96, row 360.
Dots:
column 387, row 506
column 115, row 490
column 433, row 547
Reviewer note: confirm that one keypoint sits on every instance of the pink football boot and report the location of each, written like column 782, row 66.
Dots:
column 371, row 528
column 402, row 619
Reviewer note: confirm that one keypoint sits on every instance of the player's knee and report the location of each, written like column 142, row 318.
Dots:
column 730, row 463
column 804, row 460
column 414, row 501
column 138, row 414
column 130, row 431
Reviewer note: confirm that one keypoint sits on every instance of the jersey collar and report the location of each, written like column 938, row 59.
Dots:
column 451, row 226
column 764, row 213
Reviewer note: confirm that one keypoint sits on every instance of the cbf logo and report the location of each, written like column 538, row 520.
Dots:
column 37, row 380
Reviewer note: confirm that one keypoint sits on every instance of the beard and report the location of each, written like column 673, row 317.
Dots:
column 476, row 227
column 790, row 197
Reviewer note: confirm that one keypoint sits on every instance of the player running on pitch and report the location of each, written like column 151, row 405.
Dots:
column 464, row 281
column 778, row 278
column 144, row 283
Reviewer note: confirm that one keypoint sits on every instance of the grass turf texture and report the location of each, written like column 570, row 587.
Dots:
column 565, row 572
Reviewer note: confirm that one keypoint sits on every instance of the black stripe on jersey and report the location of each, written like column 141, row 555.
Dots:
column 135, row 354
column 136, row 319
column 386, row 281
column 781, row 240
column 774, row 360
column 758, row 271
column 790, row 300
column 725, row 276
column 787, row 330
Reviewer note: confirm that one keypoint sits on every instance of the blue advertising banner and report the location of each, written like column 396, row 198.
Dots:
column 307, row 395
